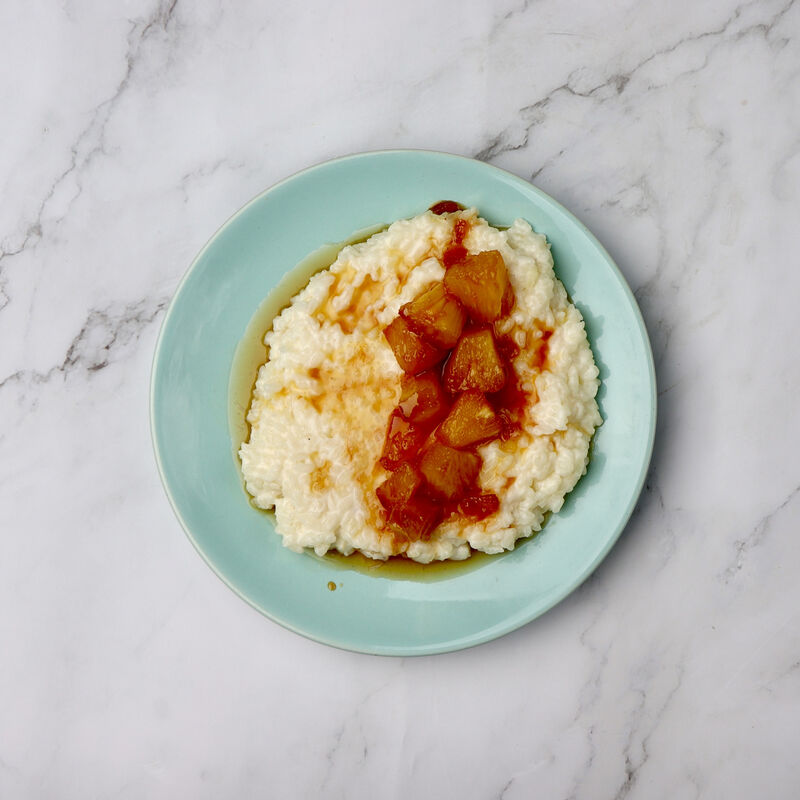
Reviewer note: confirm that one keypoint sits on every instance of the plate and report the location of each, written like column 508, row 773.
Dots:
column 375, row 611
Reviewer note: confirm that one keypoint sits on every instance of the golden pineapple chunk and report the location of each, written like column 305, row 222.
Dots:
column 400, row 486
column 403, row 441
column 475, row 363
column 422, row 398
column 449, row 472
column 481, row 283
column 435, row 316
column 413, row 354
column 417, row 518
column 471, row 421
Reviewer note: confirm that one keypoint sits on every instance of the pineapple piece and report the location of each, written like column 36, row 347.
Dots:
column 400, row 486
column 404, row 440
column 481, row 283
column 412, row 353
column 435, row 316
column 417, row 518
column 422, row 398
column 471, row 421
column 480, row 506
column 475, row 363
column 449, row 472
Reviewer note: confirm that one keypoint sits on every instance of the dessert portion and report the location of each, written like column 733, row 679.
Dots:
column 432, row 392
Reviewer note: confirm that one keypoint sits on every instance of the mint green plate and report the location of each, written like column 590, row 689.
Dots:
column 370, row 612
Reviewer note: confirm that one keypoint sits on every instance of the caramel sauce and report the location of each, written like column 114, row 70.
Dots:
column 455, row 250
column 251, row 351
column 320, row 477
column 540, row 350
column 354, row 314
column 446, row 207
column 400, row 568
column 453, row 254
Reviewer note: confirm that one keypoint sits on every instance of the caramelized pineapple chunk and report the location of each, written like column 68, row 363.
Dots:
column 413, row 354
column 449, row 472
column 399, row 487
column 417, row 518
column 471, row 421
column 435, row 316
column 480, row 506
column 481, row 283
column 422, row 398
column 475, row 363
column 403, row 440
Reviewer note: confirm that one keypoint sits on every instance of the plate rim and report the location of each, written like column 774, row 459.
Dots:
column 511, row 622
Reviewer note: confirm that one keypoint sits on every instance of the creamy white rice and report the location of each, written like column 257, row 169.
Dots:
column 323, row 399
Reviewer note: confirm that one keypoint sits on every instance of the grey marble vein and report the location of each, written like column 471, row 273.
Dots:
column 104, row 333
column 755, row 537
column 637, row 757
column 509, row 140
column 88, row 144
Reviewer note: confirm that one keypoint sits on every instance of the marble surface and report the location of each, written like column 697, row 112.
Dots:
column 130, row 131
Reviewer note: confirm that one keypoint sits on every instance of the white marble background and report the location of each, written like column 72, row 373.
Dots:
column 130, row 130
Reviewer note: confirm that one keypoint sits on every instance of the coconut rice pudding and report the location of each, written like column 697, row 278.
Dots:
column 432, row 392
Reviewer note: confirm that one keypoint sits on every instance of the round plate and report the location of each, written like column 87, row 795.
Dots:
column 368, row 612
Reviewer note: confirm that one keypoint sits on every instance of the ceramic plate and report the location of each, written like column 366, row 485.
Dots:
column 376, row 611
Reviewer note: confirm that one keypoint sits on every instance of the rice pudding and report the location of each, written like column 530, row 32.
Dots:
column 430, row 393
